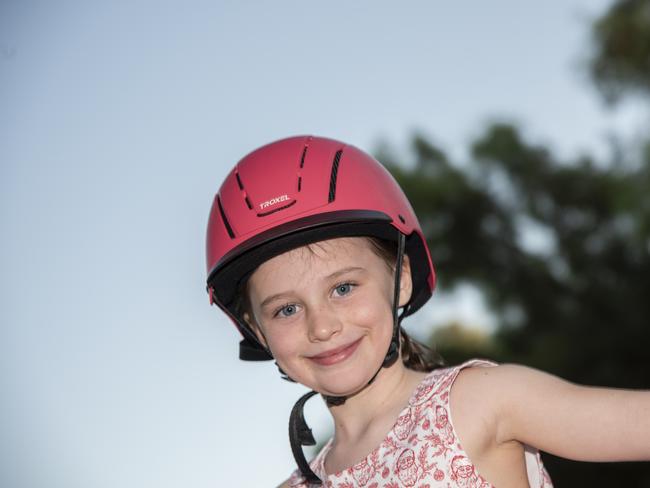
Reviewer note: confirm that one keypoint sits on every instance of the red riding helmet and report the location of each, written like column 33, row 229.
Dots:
column 298, row 191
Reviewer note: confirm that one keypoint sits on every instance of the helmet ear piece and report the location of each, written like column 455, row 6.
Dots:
column 252, row 351
column 254, row 346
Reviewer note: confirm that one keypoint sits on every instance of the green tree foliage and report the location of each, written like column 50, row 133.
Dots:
column 621, row 62
column 577, row 302
column 572, row 308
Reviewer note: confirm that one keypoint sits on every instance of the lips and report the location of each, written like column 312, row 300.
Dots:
column 336, row 355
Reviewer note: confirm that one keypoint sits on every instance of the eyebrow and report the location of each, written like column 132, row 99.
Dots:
column 336, row 274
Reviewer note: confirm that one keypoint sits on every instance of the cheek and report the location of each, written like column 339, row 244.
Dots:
column 287, row 344
column 372, row 314
column 288, row 350
column 280, row 343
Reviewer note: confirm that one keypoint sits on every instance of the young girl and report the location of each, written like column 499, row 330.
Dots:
column 316, row 255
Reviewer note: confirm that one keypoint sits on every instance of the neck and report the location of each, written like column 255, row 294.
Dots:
column 385, row 397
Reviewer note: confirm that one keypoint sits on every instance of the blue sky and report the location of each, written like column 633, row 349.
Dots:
column 118, row 122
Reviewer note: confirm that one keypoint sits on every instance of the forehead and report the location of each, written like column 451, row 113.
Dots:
column 320, row 257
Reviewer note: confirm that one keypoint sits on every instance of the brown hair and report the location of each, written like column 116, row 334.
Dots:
column 415, row 355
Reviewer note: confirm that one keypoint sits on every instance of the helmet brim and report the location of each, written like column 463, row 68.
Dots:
column 227, row 275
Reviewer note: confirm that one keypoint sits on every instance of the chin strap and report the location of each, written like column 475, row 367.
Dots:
column 299, row 432
column 393, row 349
column 300, row 435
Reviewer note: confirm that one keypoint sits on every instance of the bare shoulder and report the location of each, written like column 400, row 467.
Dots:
column 493, row 388
column 495, row 381
column 485, row 383
column 476, row 408
column 284, row 484
column 476, row 427
column 505, row 382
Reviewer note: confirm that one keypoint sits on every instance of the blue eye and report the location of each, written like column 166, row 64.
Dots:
column 286, row 311
column 343, row 288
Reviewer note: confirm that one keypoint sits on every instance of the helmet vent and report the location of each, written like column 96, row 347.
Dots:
column 299, row 182
column 225, row 220
column 335, row 170
column 241, row 187
column 239, row 183
column 302, row 158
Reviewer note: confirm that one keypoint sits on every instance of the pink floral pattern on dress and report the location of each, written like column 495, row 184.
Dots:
column 422, row 449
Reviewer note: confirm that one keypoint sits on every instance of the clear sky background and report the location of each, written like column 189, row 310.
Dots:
column 118, row 121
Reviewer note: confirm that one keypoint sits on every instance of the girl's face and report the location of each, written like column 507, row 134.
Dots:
column 325, row 312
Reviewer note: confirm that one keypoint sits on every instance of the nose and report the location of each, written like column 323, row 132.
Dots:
column 323, row 325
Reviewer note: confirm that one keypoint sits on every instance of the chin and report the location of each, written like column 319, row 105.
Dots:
column 344, row 382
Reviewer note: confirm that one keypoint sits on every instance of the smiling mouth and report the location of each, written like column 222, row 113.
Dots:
column 337, row 355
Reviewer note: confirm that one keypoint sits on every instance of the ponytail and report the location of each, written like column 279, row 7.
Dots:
column 418, row 357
